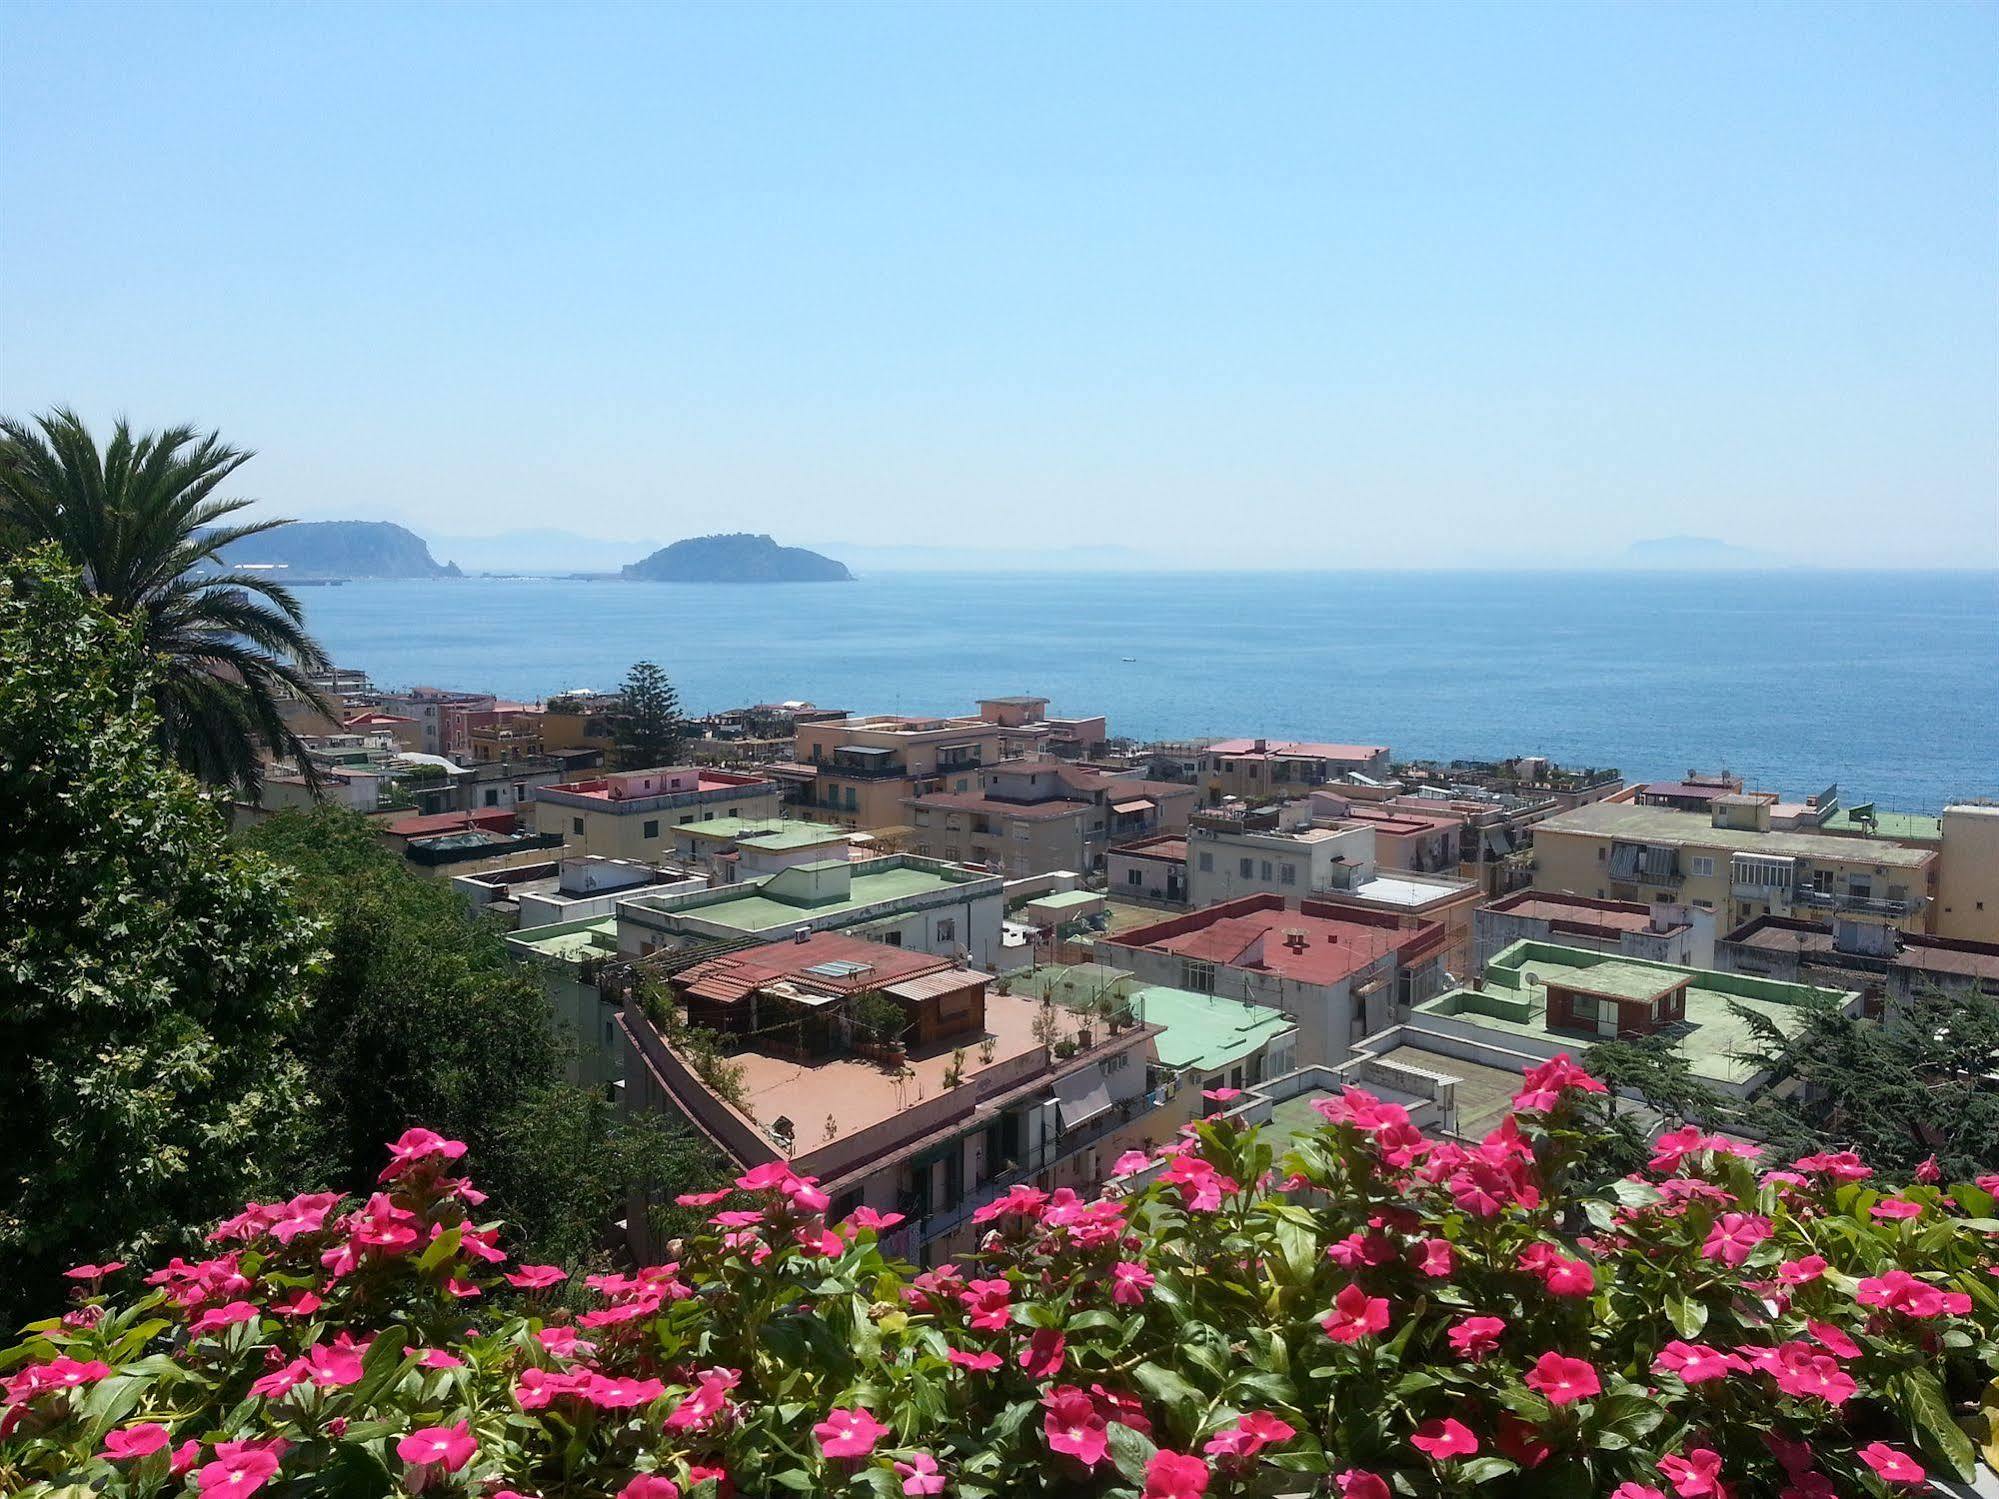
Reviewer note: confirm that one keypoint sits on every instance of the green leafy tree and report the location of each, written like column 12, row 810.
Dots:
column 648, row 726
column 421, row 1016
column 141, row 522
column 150, row 974
column 1923, row 1082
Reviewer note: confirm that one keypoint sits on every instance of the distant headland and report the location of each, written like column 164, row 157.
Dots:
column 327, row 549
column 741, row 558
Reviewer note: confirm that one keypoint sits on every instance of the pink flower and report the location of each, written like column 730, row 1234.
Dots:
column 235, row 1473
column 1221, row 1095
column 337, row 1363
column 867, row 1217
column 298, row 1304
column 1253, row 1431
column 1435, row 1257
column 218, row 1317
column 1130, row 1282
column 1444, row 1439
column 704, row 1199
column 1174, row 1475
column 1895, row 1209
column 1734, row 1236
column 848, row 1433
column 417, row 1146
column 707, row 1400
column 1562, row 1379
column 1834, row 1339
column 1560, row 1274
column 1801, row 1271
column 1358, row 1483
column 1074, row 1426
column 1130, row 1161
column 1899, row 1291
column 919, row 1475
column 1891, row 1466
column 1042, row 1355
column 1928, row 1172
column 135, row 1441
column 1840, row 1165
column 984, row 1363
column 537, row 1277
column 437, row 1358
column 1629, row 1490
column 988, row 1302
column 1355, row 1315
column 1546, row 1084
column 1696, row 1475
column 94, row 1272
column 1696, row 1363
column 452, row 1446
column 1475, row 1337
column 649, row 1486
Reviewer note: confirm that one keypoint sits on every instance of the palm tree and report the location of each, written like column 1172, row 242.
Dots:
column 140, row 522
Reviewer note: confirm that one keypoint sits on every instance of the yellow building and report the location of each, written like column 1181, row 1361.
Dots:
column 1968, row 873
column 632, row 814
column 866, row 768
column 1730, row 861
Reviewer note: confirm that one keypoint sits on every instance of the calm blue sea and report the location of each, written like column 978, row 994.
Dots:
column 1887, row 683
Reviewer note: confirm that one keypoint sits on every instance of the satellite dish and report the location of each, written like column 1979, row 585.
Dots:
column 1531, row 976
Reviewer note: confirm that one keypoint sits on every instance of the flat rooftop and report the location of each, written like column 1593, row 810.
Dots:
column 572, row 941
column 1391, row 890
column 1910, row 825
column 1484, row 1094
column 1664, row 825
column 1514, row 1006
column 1294, row 749
column 1205, row 1031
column 857, row 1094
column 1172, row 847
column 1813, row 942
column 1577, row 910
column 753, row 911
column 1063, row 900
column 766, row 832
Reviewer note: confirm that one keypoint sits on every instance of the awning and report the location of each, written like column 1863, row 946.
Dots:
column 1082, row 1096
column 1127, row 808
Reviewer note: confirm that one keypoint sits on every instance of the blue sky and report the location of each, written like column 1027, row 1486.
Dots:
column 1381, row 285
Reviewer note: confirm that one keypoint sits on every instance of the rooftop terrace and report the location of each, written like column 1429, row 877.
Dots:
column 1664, row 825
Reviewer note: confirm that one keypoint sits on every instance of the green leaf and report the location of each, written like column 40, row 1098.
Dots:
column 1922, row 1401
column 1687, row 1315
column 1169, row 1389
column 1130, row 1450
column 796, row 1479
column 1485, row 1469
column 442, row 1248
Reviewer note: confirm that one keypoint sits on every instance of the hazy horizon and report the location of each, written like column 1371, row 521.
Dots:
column 1232, row 287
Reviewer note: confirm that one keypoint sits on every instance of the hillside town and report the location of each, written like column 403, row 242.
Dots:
column 931, row 959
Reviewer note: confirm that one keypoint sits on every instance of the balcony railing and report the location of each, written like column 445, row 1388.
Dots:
column 1864, row 905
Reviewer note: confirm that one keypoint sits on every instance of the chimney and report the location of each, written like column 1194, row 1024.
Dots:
column 1261, row 745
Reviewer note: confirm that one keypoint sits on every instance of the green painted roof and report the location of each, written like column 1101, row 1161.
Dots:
column 574, row 940
column 1203, row 1031
column 1063, row 899
column 1709, row 1037
column 1694, row 830
column 753, row 911
column 765, row 832
column 1890, row 825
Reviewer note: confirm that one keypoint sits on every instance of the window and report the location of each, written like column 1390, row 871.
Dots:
column 709, row 815
column 1207, row 863
column 1246, row 868
column 1703, row 865
column 651, row 829
column 947, row 930
column 1198, row 976
column 1602, row 853
column 923, row 849
column 576, row 826
column 686, row 820
column 951, row 852
column 1705, row 905
column 1264, row 873
column 892, row 939
column 1134, row 877
column 1288, row 875
column 1020, row 832
column 492, row 796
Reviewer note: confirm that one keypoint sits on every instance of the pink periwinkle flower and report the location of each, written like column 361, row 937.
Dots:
column 848, row 1432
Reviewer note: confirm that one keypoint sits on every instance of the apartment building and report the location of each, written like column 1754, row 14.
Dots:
column 1659, row 933
column 901, row 900
column 862, row 771
column 1039, row 816
column 1281, row 850
column 1732, row 862
column 439, row 715
column 1263, row 769
column 730, row 850
column 1068, row 738
column 1967, row 905
column 1149, row 869
column 550, row 892
column 1885, row 965
column 632, row 814
column 1341, row 973
column 980, row 1093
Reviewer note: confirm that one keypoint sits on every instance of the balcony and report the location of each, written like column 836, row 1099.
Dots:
column 1894, row 909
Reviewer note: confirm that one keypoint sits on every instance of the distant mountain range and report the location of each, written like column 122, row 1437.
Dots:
column 741, row 558
column 341, row 549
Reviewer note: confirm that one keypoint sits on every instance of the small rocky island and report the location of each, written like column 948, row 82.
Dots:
column 741, row 558
column 329, row 549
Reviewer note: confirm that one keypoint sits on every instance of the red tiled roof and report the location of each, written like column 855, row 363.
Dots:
column 1172, row 847
column 1286, row 749
column 1686, row 790
column 1399, row 822
column 1334, row 948
column 371, row 719
column 735, row 975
